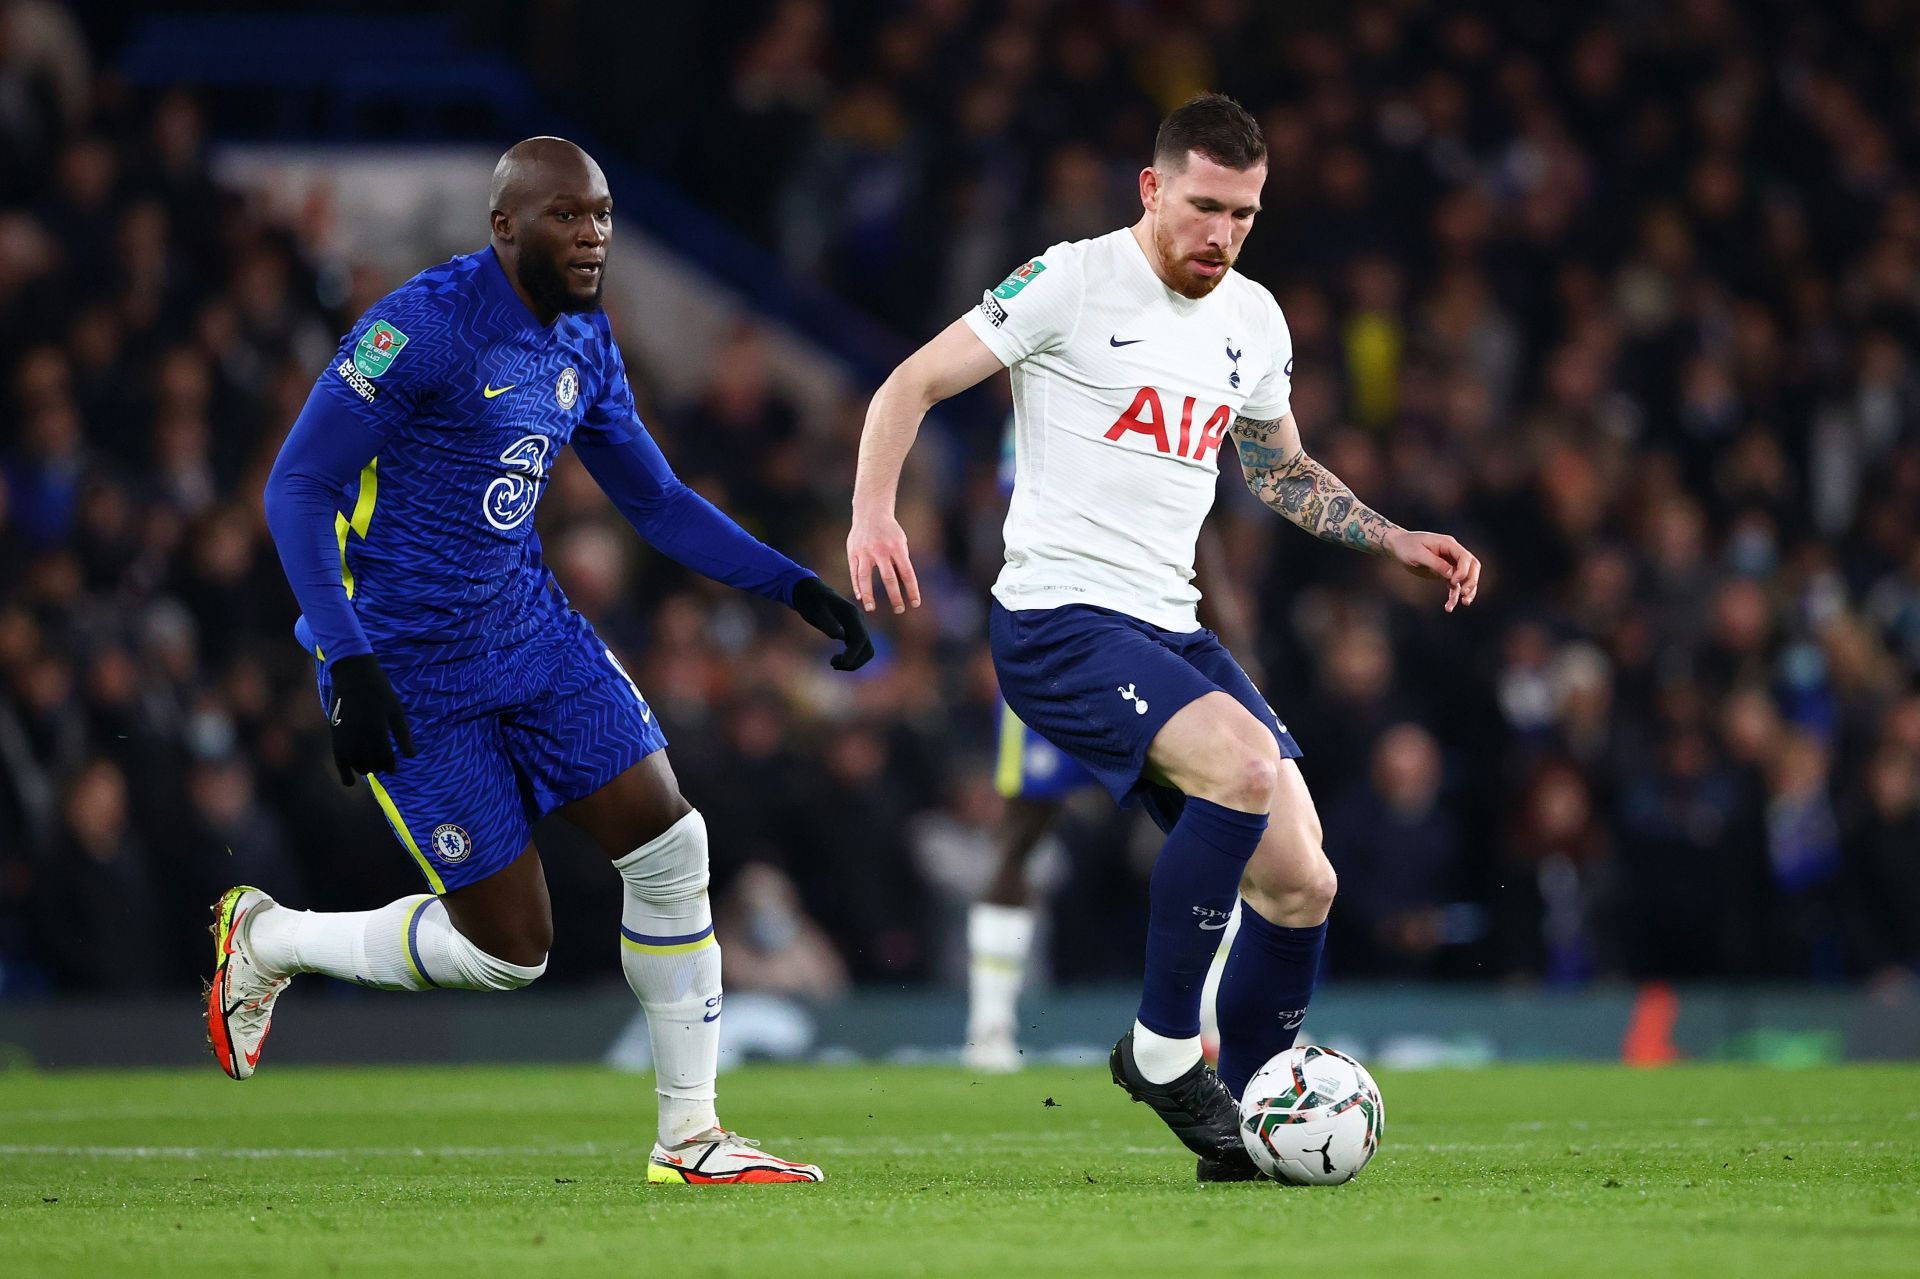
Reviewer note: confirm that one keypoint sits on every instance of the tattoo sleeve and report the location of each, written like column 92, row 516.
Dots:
column 1305, row 492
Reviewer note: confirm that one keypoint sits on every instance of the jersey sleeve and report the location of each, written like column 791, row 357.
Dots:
column 1035, row 309
column 680, row 523
column 611, row 417
column 323, row 454
column 1272, row 396
column 396, row 359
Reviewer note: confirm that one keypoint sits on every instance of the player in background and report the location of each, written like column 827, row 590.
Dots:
column 402, row 507
column 1134, row 356
column 1035, row 780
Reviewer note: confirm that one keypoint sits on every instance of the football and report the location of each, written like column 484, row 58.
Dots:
column 1312, row 1117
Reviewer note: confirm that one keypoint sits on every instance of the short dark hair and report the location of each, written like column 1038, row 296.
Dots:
column 1214, row 125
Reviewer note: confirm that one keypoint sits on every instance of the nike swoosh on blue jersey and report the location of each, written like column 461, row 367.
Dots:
column 489, row 392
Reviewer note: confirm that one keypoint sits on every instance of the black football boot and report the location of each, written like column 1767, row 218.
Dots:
column 1197, row 1107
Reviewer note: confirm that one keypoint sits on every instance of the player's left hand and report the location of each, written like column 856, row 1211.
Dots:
column 834, row 615
column 1438, row 556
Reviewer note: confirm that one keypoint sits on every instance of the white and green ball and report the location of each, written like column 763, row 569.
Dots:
column 1312, row 1117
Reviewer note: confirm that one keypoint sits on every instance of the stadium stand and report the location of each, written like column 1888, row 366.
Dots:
column 1627, row 300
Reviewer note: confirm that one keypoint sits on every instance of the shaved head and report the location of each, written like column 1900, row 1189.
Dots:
column 552, row 217
column 534, row 168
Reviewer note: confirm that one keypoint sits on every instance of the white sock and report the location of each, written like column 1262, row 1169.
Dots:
column 1163, row 1060
column 410, row 944
column 672, row 962
column 998, row 938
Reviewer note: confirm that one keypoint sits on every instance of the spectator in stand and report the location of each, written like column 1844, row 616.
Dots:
column 1631, row 305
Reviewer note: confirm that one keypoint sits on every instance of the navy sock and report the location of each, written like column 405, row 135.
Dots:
column 1263, row 993
column 1190, row 898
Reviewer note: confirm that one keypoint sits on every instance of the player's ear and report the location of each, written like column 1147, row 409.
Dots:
column 502, row 226
column 1149, row 189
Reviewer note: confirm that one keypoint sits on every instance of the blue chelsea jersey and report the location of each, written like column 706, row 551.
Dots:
column 473, row 399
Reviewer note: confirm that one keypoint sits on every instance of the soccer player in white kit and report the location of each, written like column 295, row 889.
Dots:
column 1134, row 356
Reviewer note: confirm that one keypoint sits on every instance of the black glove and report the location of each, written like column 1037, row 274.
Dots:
column 834, row 616
column 363, row 714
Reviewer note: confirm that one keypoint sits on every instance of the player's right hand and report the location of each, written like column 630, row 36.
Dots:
column 878, row 544
column 366, row 718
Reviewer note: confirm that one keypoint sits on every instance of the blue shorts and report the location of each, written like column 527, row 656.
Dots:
column 1028, row 766
column 1100, row 684
column 503, row 740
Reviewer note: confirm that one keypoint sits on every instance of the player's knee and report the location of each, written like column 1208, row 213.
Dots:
column 1250, row 775
column 672, row 867
column 1309, row 895
column 1297, row 895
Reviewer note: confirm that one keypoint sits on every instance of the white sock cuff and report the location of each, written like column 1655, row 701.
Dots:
column 487, row 972
column 436, row 946
column 666, row 910
column 1161, row 1059
column 1004, row 932
column 667, row 845
column 672, row 866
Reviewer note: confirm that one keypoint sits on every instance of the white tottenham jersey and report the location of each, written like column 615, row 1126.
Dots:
column 1123, row 392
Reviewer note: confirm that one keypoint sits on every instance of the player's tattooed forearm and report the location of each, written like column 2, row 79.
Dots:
column 1313, row 497
column 1310, row 495
column 1259, row 456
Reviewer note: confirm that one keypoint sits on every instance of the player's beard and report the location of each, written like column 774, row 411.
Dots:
column 545, row 280
column 1174, row 266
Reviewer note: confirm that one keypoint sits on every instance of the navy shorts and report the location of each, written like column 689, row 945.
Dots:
column 1100, row 684
column 502, row 740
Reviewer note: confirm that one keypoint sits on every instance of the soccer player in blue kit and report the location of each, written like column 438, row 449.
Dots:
column 402, row 507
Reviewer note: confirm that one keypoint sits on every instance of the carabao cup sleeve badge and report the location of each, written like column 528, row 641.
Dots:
column 378, row 347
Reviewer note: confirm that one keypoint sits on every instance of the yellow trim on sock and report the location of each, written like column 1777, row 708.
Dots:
column 406, row 836
column 1013, row 741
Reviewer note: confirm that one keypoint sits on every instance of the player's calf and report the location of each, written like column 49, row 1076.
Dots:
column 672, row 961
column 410, row 944
column 1268, row 979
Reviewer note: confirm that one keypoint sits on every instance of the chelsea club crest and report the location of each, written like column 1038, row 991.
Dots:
column 451, row 843
column 567, row 389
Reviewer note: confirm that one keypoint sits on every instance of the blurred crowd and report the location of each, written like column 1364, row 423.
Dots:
column 1623, row 295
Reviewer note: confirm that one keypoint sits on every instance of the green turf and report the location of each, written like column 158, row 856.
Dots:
column 1551, row 1170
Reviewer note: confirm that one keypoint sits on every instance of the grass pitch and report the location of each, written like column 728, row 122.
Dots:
column 474, row 1172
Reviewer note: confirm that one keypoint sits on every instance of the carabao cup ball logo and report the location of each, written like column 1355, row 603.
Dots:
column 567, row 389
column 451, row 843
